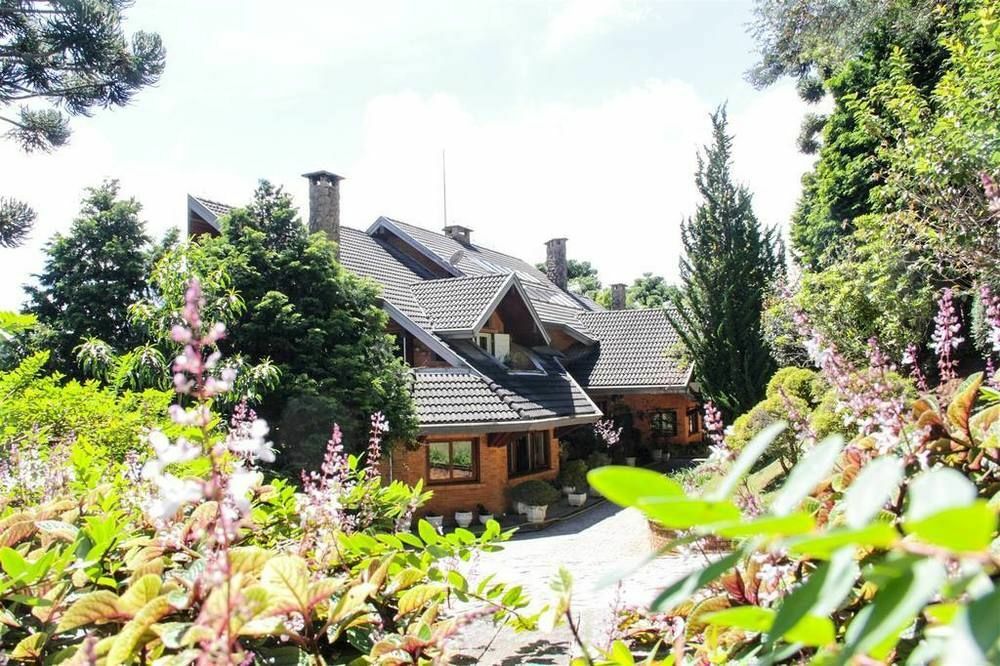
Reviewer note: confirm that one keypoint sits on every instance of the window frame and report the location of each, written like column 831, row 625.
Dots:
column 694, row 421
column 451, row 457
column 656, row 431
column 546, row 449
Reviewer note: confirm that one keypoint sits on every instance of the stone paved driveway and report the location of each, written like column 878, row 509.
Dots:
column 592, row 546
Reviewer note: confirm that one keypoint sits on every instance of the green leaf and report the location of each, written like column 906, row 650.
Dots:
column 876, row 535
column 417, row 597
column 749, row 618
column 136, row 631
column 820, row 595
column 812, row 630
column 694, row 581
column 428, row 532
column 748, row 456
column 964, row 528
column 792, row 524
column 872, row 488
column 807, row 474
column 681, row 513
column 621, row 655
column 13, row 563
column 938, row 489
column 626, row 485
column 878, row 625
column 93, row 608
column 976, row 632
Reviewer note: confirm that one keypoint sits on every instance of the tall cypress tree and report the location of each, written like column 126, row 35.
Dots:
column 730, row 262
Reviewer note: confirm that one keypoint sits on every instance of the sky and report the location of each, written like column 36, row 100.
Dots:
column 559, row 118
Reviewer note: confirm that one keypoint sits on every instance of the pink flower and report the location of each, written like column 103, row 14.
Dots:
column 945, row 337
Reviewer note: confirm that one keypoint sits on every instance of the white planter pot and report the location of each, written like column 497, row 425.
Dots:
column 568, row 490
column 521, row 508
column 630, row 461
column 436, row 521
column 485, row 518
column 536, row 514
column 657, row 455
column 577, row 499
column 463, row 518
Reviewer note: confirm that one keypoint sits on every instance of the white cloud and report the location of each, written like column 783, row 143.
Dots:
column 615, row 177
column 579, row 19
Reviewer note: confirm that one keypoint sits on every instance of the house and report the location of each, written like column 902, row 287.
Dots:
column 505, row 359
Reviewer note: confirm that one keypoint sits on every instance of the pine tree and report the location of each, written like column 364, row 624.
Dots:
column 71, row 55
column 91, row 276
column 730, row 261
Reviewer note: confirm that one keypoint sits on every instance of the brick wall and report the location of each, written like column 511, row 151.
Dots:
column 410, row 466
column 643, row 405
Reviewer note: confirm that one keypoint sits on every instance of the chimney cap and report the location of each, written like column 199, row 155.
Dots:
column 316, row 175
column 555, row 240
column 456, row 227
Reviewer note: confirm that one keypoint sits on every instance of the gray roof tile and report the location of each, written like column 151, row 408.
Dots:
column 636, row 348
column 457, row 304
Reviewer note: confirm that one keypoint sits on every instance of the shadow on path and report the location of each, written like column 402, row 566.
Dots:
column 538, row 652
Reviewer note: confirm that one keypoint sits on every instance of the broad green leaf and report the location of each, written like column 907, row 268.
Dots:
column 428, row 532
column 417, row 597
column 694, row 581
column 964, row 528
column 749, row 618
column 286, row 579
column 820, row 594
column 807, row 474
column 136, row 630
column 877, row 626
column 786, row 525
column 621, row 655
column 748, row 456
column 30, row 648
column 936, row 490
column 976, row 632
column 626, row 485
column 12, row 562
column 249, row 559
column 93, row 608
column 681, row 513
column 876, row 535
column 965, row 397
column 872, row 488
column 812, row 630
column 140, row 593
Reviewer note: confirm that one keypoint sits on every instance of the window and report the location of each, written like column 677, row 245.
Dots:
column 452, row 462
column 664, row 422
column 403, row 346
column 693, row 424
column 485, row 342
column 528, row 453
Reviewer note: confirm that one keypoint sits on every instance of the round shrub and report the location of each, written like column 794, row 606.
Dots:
column 535, row 493
column 598, row 459
column 574, row 475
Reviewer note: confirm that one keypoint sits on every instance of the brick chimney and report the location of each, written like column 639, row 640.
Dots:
column 324, row 203
column 618, row 296
column 555, row 261
column 459, row 233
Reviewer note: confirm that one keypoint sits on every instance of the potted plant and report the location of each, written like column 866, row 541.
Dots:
column 463, row 518
column 573, row 476
column 485, row 515
column 435, row 519
column 537, row 495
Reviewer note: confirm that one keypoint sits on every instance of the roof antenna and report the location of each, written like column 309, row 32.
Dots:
column 444, row 188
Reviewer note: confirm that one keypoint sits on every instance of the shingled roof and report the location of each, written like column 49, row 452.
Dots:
column 638, row 349
column 457, row 304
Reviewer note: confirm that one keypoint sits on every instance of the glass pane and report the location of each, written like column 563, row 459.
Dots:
column 461, row 460
column 440, row 466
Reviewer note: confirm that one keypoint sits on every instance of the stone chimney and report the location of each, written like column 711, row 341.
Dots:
column 459, row 233
column 555, row 261
column 324, row 203
column 618, row 296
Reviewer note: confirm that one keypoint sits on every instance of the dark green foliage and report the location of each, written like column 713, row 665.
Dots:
column 72, row 55
column 535, row 493
column 650, row 291
column 16, row 219
column 573, row 474
column 730, row 263
column 91, row 276
column 322, row 327
column 581, row 277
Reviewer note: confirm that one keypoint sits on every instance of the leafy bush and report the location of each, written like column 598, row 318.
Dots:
column 192, row 557
column 50, row 409
column 535, row 493
column 598, row 459
column 573, row 475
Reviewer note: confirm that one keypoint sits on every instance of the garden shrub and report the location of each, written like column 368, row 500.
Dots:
column 573, row 475
column 51, row 408
column 535, row 493
column 598, row 459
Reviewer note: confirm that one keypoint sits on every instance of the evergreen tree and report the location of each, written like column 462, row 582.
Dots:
column 321, row 326
column 91, row 277
column 729, row 265
column 64, row 55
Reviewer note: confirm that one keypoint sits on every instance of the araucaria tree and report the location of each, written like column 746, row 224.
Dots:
column 61, row 58
column 730, row 263
column 91, row 277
